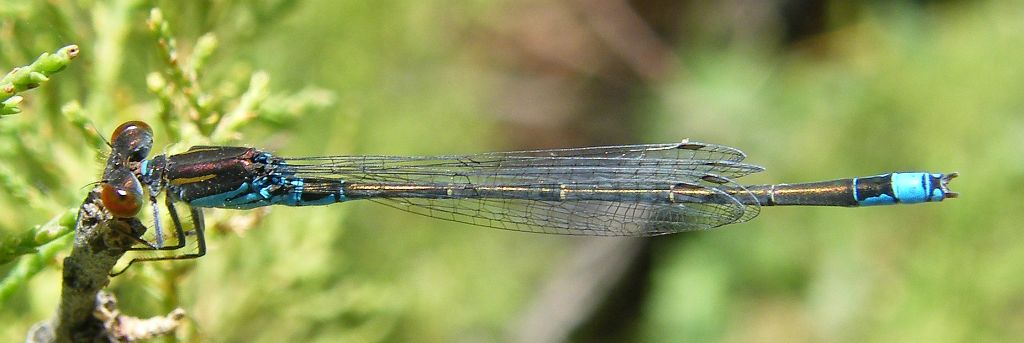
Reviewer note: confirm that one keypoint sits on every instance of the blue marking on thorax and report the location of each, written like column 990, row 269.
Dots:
column 911, row 188
column 144, row 168
column 258, row 193
column 232, row 199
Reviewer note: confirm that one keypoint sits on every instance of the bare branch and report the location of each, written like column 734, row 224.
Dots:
column 123, row 328
column 85, row 315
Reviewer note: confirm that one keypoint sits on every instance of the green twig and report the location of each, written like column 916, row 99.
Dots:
column 280, row 109
column 18, row 189
column 30, row 266
column 157, row 85
column 184, row 77
column 43, row 240
column 246, row 109
column 75, row 114
column 31, row 76
column 30, row 240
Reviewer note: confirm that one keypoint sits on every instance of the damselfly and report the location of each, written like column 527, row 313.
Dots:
column 626, row 190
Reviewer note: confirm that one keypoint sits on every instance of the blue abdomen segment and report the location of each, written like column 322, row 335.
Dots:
column 905, row 188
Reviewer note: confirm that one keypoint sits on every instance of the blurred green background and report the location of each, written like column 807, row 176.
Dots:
column 811, row 90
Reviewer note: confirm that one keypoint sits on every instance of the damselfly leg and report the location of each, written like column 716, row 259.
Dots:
column 181, row 237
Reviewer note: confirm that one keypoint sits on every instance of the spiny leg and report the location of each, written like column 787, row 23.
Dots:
column 198, row 225
column 134, row 237
column 158, row 227
column 179, row 231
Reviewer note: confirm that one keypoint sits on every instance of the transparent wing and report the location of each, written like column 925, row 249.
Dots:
column 588, row 218
column 527, row 190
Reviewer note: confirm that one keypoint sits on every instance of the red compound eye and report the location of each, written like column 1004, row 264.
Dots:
column 129, row 126
column 120, row 202
column 131, row 142
column 121, row 194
